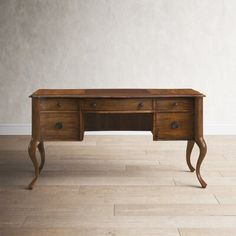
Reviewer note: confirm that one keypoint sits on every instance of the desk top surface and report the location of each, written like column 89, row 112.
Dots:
column 116, row 93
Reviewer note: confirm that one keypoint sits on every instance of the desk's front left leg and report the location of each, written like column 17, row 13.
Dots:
column 32, row 153
column 203, row 150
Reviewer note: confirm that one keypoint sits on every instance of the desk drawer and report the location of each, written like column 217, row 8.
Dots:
column 59, row 126
column 117, row 104
column 174, row 104
column 58, row 104
column 174, row 126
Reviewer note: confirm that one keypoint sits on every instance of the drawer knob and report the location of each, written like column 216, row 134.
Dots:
column 59, row 104
column 175, row 104
column 94, row 105
column 58, row 125
column 140, row 105
column 174, row 125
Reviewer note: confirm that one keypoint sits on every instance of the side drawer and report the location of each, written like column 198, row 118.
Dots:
column 58, row 104
column 59, row 126
column 174, row 126
column 174, row 104
column 117, row 104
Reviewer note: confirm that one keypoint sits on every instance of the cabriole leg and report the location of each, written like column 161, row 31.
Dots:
column 42, row 155
column 203, row 150
column 32, row 153
column 188, row 154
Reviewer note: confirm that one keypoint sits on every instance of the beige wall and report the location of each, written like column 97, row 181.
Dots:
column 116, row 44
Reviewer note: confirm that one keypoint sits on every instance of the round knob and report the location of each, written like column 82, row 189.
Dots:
column 94, row 105
column 58, row 125
column 174, row 125
column 140, row 105
column 175, row 104
column 59, row 104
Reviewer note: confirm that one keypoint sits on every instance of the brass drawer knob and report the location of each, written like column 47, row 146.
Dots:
column 93, row 105
column 175, row 104
column 175, row 125
column 58, row 104
column 58, row 125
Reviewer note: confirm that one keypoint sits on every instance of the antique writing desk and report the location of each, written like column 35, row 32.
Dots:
column 65, row 114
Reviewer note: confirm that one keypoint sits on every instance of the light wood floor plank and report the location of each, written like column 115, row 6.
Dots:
column 68, row 210
column 132, row 221
column 208, row 232
column 91, row 231
column 173, row 209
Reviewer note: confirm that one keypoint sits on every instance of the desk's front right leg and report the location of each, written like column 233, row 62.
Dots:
column 32, row 154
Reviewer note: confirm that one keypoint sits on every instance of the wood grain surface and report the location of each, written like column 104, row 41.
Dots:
column 116, row 93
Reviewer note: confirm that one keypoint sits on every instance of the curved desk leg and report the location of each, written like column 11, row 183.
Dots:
column 188, row 154
column 203, row 150
column 42, row 155
column 32, row 153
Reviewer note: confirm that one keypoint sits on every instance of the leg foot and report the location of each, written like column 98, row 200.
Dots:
column 188, row 154
column 32, row 153
column 203, row 149
column 42, row 155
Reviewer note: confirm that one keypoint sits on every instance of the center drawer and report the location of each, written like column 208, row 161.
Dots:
column 117, row 104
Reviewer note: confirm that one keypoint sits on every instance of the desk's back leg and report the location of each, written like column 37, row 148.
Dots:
column 203, row 150
column 188, row 154
column 32, row 153
column 42, row 155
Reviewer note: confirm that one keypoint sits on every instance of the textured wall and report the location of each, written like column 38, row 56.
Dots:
column 115, row 44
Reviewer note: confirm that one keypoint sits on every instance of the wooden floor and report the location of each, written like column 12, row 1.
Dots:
column 118, row 185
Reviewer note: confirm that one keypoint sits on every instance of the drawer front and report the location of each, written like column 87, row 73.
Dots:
column 117, row 104
column 174, row 126
column 62, row 126
column 58, row 104
column 174, row 104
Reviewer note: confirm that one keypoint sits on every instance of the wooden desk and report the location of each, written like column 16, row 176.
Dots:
column 64, row 115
